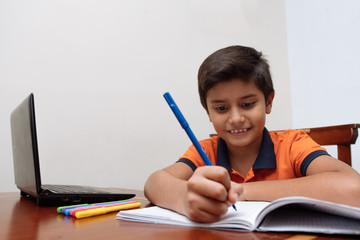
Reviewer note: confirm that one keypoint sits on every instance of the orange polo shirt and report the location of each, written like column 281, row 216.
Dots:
column 283, row 155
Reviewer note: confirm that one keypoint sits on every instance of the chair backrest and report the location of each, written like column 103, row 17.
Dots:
column 341, row 135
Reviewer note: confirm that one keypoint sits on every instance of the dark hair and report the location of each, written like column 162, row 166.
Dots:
column 240, row 62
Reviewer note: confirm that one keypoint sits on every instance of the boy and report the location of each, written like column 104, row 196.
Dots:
column 236, row 91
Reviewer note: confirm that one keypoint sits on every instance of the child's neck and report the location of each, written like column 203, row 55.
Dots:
column 242, row 159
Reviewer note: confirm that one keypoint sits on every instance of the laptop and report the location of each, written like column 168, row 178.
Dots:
column 27, row 167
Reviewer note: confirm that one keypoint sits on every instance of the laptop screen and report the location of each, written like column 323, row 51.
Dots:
column 24, row 142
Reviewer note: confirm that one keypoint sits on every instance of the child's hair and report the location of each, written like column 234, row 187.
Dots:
column 234, row 62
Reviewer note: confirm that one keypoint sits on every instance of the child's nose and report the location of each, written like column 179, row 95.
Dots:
column 236, row 117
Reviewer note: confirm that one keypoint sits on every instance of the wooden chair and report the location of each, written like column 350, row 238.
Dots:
column 343, row 136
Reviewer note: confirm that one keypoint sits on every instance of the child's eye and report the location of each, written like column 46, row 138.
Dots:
column 221, row 108
column 248, row 104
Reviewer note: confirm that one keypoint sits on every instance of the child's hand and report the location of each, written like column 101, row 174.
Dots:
column 207, row 194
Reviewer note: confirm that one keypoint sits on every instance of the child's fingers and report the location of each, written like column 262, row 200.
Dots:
column 205, row 209
column 212, row 182
column 204, row 216
column 236, row 192
column 217, row 174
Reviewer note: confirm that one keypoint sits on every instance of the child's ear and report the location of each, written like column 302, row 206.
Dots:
column 269, row 102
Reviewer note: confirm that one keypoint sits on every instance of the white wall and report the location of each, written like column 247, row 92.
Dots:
column 98, row 70
column 323, row 40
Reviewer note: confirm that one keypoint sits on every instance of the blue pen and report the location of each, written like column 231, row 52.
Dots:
column 184, row 124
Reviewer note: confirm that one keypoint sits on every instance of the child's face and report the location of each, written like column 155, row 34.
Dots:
column 237, row 110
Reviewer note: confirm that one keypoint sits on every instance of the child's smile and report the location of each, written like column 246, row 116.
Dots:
column 239, row 131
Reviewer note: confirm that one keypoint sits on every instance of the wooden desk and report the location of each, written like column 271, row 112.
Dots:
column 20, row 218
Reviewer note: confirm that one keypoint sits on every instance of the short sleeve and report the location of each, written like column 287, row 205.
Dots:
column 303, row 151
column 192, row 158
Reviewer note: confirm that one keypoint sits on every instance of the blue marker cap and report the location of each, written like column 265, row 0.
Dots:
column 184, row 124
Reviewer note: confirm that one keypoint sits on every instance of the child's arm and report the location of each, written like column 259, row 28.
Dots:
column 200, row 195
column 326, row 178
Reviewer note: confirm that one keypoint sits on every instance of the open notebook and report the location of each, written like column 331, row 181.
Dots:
column 289, row 214
column 27, row 166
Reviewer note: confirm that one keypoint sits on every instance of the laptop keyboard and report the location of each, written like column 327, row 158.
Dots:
column 72, row 189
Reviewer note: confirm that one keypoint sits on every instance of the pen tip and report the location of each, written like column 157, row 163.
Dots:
column 234, row 207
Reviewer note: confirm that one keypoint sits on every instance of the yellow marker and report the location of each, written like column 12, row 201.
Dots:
column 105, row 209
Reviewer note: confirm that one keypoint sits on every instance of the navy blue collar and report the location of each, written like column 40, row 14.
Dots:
column 265, row 159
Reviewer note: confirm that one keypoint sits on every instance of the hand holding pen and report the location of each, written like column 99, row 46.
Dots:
column 184, row 124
